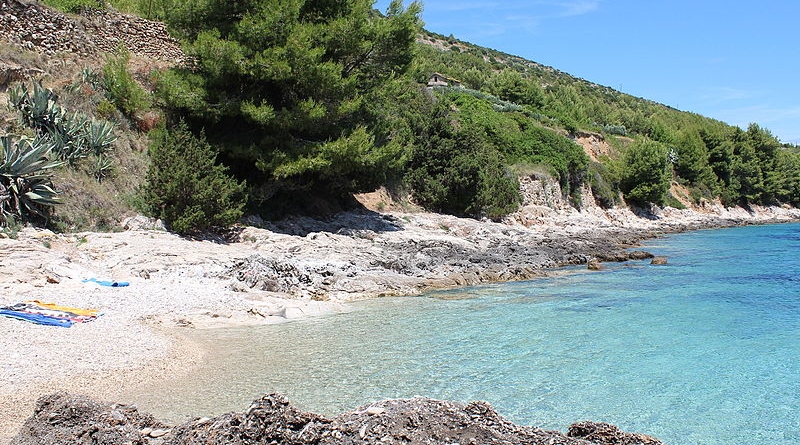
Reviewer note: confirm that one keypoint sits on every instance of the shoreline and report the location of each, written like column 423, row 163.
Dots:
column 298, row 268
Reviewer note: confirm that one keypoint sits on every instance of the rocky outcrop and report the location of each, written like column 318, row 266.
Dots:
column 62, row 418
column 39, row 28
column 386, row 255
column 600, row 432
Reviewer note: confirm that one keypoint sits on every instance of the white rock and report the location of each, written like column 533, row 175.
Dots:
column 375, row 410
column 291, row 313
column 158, row 433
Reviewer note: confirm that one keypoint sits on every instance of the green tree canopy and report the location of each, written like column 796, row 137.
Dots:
column 646, row 175
column 185, row 185
column 457, row 171
column 283, row 87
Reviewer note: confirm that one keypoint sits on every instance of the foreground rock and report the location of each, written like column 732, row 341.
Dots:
column 63, row 418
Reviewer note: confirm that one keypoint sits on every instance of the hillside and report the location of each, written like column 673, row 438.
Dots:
column 461, row 147
column 708, row 157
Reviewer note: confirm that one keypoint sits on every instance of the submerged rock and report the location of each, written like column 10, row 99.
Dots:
column 64, row 418
column 595, row 264
column 600, row 432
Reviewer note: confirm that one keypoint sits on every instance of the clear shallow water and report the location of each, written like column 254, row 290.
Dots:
column 705, row 350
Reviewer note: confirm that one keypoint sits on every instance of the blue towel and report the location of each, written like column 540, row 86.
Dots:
column 107, row 283
column 38, row 318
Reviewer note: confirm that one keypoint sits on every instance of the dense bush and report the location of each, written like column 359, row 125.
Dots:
column 604, row 186
column 458, row 172
column 186, row 187
column 618, row 130
column 647, row 173
column 284, row 89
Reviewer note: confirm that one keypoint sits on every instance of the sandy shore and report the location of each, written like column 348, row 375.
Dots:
column 298, row 268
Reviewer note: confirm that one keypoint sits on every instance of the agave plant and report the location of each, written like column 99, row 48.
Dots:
column 38, row 109
column 99, row 137
column 73, row 136
column 102, row 167
column 25, row 186
column 68, row 137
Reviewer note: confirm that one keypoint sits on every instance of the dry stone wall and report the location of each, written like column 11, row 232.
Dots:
column 39, row 28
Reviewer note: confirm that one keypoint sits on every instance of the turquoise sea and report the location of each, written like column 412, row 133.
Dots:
column 704, row 350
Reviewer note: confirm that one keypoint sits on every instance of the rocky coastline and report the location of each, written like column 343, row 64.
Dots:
column 272, row 419
column 264, row 273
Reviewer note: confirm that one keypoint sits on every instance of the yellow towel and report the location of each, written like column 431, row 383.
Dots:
column 73, row 310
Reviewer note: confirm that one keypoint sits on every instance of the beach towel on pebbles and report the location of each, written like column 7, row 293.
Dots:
column 49, row 314
column 107, row 283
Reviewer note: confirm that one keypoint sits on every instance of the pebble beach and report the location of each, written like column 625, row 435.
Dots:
column 279, row 272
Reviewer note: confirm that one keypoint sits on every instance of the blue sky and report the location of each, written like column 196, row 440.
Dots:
column 735, row 61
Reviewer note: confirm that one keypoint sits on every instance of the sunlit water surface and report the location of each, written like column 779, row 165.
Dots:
column 704, row 350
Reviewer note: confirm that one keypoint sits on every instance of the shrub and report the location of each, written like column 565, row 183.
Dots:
column 105, row 109
column 618, row 130
column 461, row 174
column 646, row 176
column 673, row 202
column 121, row 88
column 186, row 187
column 603, row 186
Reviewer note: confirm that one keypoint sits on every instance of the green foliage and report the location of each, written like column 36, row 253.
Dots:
column 26, row 190
column 520, row 140
column 646, row 177
column 186, row 187
column 120, row 87
column 74, row 6
column 786, row 177
column 510, row 85
column 673, row 202
column 458, row 172
column 294, row 80
column 618, row 130
column 105, row 109
column 38, row 108
column 692, row 157
column 711, row 158
column 605, row 187
column 309, row 97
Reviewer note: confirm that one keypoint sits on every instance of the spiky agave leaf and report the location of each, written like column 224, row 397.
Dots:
column 25, row 186
column 100, row 136
column 25, row 158
column 42, row 193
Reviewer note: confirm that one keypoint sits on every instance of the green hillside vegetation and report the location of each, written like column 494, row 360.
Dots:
column 304, row 102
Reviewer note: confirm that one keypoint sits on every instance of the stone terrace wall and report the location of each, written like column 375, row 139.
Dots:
column 39, row 28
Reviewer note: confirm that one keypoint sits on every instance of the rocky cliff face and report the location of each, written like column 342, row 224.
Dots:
column 61, row 418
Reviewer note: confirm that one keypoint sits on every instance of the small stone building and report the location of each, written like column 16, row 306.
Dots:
column 440, row 80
